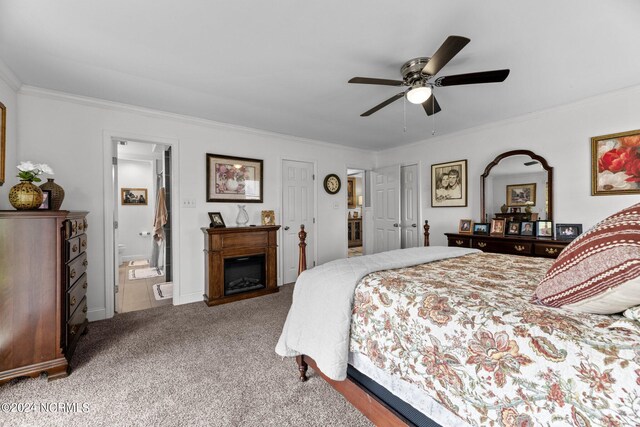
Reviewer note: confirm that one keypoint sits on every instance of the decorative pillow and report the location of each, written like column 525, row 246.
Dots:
column 599, row 272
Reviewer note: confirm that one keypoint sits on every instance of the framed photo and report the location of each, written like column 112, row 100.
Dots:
column 268, row 218
column 234, row 179
column 216, row 220
column 466, row 226
column 134, row 196
column 513, row 228
column 544, row 229
column 351, row 192
column 481, row 228
column 568, row 231
column 46, row 200
column 3, row 140
column 449, row 184
column 497, row 227
column 534, row 216
column 527, row 228
column 515, row 210
column 520, row 194
column 615, row 164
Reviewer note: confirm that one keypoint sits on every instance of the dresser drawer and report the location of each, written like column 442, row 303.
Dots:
column 75, row 227
column 75, row 295
column 77, row 320
column 463, row 242
column 517, row 248
column 75, row 269
column 72, row 248
column 548, row 250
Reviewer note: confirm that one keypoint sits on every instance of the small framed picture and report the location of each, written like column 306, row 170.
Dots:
column 520, row 194
column 268, row 218
column 497, row 227
column 134, row 196
column 527, row 228
column 544, row 229
column 46, row 200
column 513, row 228
column 481, row 228
column 216, row 220
column 515, row 210
column 465, row 226
column 568, row 231
column 534, row 216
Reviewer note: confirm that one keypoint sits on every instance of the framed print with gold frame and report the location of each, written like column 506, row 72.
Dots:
column 615, row 164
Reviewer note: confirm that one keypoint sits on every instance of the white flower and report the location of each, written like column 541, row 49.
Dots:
column 44, row 168
column 608, row 181
column 26, row 167
column 606, row 146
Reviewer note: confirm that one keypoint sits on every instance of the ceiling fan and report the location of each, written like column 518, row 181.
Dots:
column 418, row 72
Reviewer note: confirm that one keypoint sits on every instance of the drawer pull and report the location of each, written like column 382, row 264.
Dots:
column 519, row 248
column 84, row 309
column 74, row 248
column 551, row 251
column 72, row 273
column 73, row 300
column 84, row 285
column 86, row 224
column 482, row 244
column 85, row 263
column 74, row 227
column 80, row 227
column 73, row 330
column 459, row 242
column 83, row 243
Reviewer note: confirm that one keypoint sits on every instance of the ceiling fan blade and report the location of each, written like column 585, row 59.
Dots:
column 431, row 105
column 370, row 81
column 450, row 48
column 382, row 104
column 494, row 76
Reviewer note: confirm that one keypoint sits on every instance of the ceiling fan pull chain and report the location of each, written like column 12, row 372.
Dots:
column 404, row 113
column 433, row 116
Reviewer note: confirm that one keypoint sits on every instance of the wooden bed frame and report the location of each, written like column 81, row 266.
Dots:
column 370, row 405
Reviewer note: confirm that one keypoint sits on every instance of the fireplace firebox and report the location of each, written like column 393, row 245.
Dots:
column 244, row 274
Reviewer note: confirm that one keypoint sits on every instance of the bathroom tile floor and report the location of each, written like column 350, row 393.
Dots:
column 137, row 294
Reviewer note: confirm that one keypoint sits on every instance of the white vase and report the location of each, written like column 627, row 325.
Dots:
column 243, row 217
column 232, row 185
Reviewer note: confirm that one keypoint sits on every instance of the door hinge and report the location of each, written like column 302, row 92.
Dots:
column 313, row 176
column 314, row 263
column 114, row 160
column 115, row 225
column 117, row 289
column 314, row 220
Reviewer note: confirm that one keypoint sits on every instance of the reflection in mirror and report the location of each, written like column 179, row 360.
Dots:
column 516, row 185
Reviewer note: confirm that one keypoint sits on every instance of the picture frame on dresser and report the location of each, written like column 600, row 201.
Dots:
column 568, row 231
column 527, row 228
column 46, row 200
column 544, row 228
column 481, row 228
column 513, row 228
column 497, row 227
column 465, row 226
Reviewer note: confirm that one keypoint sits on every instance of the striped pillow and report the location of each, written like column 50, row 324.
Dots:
column 599, row 272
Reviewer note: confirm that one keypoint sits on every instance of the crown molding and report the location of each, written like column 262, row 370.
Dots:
column 518, row 119
column 9, row 77
column 158, row 114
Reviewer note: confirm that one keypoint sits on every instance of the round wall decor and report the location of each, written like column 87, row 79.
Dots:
column 332, row 183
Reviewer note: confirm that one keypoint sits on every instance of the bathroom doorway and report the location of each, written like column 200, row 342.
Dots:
column 355, row 212
column 142, row 225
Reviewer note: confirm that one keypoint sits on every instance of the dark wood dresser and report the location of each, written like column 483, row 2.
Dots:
column 516, row 245
column 225, row 249
column 43, row 282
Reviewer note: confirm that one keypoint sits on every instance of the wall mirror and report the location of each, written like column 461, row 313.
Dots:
column 520, row 182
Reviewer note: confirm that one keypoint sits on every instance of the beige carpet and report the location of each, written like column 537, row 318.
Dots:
column 190, row 365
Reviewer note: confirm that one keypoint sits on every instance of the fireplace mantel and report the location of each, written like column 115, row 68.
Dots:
column 234, row 242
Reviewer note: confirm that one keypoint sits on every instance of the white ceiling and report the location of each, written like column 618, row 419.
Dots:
column 283, row 65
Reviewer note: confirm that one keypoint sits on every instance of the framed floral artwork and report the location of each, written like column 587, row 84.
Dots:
column 521, row 195
column 234, row 179
column 615, row 164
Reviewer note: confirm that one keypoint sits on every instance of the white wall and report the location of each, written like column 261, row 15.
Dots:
column 9, row 98
column 67, row 133
column 134, row 219
column 561, row 135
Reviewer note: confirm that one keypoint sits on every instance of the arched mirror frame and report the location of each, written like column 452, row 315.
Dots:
column 534, row 156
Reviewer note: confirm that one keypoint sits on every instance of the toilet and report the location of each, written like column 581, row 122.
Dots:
column 121, row 249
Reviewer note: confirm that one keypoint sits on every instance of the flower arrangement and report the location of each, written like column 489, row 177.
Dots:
column 527, row 206
column 29, row 171
column 231, row 178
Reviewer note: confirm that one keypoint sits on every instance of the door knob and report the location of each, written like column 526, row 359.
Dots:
column 396, row 225
column 286, row 227
column 414, row 225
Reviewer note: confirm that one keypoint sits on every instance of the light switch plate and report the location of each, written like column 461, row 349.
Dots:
column 188, row 203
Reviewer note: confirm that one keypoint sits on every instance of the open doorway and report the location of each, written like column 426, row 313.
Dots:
column 355, row 212
column 142, row 233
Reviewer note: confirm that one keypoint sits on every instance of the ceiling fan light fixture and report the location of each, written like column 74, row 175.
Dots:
column 419, row 93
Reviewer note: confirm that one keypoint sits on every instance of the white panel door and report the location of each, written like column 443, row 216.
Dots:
column 409, row 206
column 386, row 208
column 297, row 208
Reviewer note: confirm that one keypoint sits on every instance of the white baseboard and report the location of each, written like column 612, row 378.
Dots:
column 188, row 298
column 96, row 314
column 126, row 258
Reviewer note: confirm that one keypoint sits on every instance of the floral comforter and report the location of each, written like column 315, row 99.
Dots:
column 467, row 331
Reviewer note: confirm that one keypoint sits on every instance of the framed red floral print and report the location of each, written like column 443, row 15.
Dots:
column 615, row 164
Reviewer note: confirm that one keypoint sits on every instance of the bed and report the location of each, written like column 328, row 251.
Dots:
column 460, row 341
